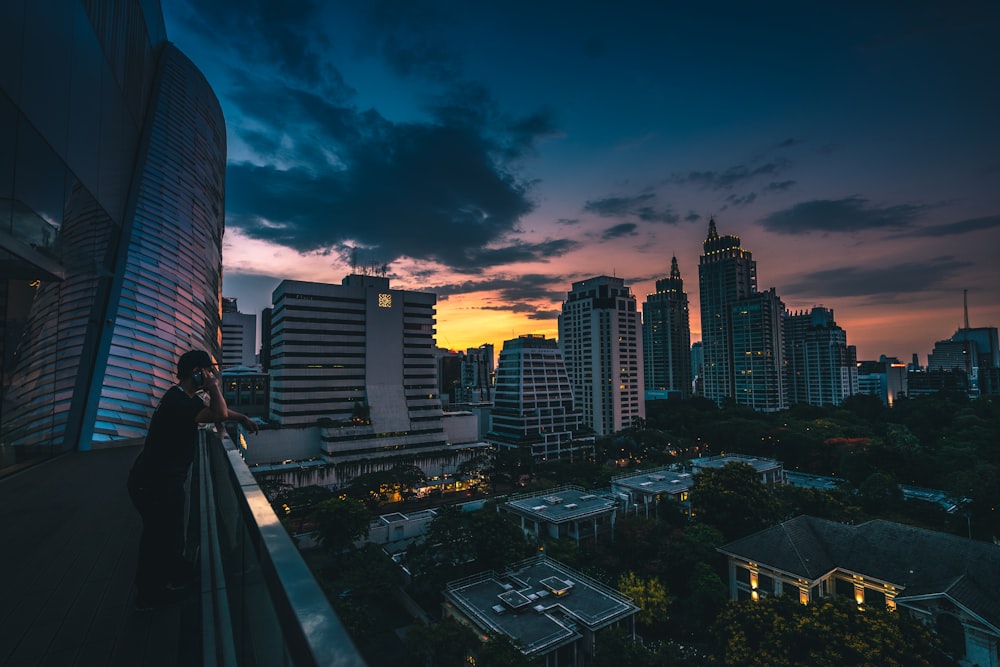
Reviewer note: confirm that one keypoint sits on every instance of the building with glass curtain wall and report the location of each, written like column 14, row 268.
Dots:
column 666, row 338
column 727, row 273
column 112, row 177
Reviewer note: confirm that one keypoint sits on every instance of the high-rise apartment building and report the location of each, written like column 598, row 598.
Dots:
column 113, row 148
column 758, row 352
column 820, row 367
column 356, row 359
column 666, row 337
column 600, row 335
column 727, row 274
column 534, row 406
column 239, row 336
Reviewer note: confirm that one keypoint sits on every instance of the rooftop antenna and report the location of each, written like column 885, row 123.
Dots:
column 965, row 341
column 965, row 306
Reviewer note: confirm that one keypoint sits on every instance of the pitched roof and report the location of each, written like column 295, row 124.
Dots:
column 921, row 562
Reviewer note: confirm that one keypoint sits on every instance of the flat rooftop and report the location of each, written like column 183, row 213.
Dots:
column 561, row 504
column 539, row 603
column 659, row 481
column 759, row 464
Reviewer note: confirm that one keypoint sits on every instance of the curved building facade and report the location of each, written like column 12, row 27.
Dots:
column 112, row 179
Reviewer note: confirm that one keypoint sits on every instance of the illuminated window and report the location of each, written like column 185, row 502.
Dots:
column 385, row 301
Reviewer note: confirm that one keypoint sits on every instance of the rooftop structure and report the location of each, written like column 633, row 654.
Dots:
column 771, row 471
column 548, row 609
column 564, row 512
column 648, row 488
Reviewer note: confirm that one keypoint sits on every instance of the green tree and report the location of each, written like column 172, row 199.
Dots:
column 780, row 632
column 733, row 499
column 880, row 492
column 651, row 596
column 444, row 644
column 340, row 523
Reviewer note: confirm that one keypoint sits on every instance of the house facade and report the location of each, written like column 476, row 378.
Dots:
column 949, row 583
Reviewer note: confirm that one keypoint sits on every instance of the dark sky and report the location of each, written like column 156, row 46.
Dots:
column 495, row 152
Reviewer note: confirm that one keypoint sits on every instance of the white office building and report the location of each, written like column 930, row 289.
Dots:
column 356, row 360
column 239, row 336
column 600, row 334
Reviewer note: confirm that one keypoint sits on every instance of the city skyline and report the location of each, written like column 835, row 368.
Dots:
column 496, row 155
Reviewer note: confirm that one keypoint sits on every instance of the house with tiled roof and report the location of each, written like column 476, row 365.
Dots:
column 950, row 583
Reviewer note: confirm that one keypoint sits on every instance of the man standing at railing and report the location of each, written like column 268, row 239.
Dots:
column 156, row 482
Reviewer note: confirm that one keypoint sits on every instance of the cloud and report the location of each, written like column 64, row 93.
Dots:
column 729, row 178
column 898, row 279
column 851, row 214
column 639, row 206
column 545, row 315
column 618, row 231
column 742, row 200
column 328, row 175
column 779, row 186
column 404, row 33
column 513, row 290
column 952, row 228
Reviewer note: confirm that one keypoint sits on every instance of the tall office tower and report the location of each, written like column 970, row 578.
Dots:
column 477, row 375
column 666, row 337
column 534, row 406
column 356, row 359
column 239, row 336
column 820, row 367
column 113, row 149
column 726, row 274
column 600, row 337
column 758, row 352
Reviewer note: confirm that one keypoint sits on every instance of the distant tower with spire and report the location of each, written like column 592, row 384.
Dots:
column 727, row 274
column 666, row 338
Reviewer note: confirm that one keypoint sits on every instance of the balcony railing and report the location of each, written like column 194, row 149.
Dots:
column 260, row 603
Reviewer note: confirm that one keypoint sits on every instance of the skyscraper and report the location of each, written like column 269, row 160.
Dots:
column 356, row 359
column 534, row 402
column 758, row 352
column 112, row 219
column 820, row 367
column 666, row 337
column 726, row 274
column 600, row 337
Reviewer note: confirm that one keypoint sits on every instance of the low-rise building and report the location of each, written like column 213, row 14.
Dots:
column 948, row 582
column 547, row 609
column 771, row 471
column 567, row 512
column 642, row 492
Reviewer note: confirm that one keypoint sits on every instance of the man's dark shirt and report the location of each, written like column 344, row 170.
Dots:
column 171, row 439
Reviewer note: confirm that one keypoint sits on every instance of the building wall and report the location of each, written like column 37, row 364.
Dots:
column 112, row 213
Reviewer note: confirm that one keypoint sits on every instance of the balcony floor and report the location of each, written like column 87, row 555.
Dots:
column 69, row 537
